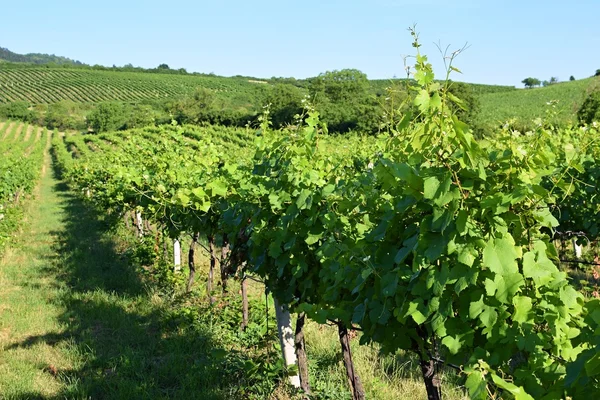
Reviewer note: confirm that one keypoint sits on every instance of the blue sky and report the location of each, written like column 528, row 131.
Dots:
column 509, row 40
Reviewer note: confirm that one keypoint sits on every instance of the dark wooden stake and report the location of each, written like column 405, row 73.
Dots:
column 213, row 262
column 301, row 353
column 432, row 381
column 358, row 392
column 127, row 219
column 165, row 248
column 223, row 263
column 244, row 285
column 191, row 263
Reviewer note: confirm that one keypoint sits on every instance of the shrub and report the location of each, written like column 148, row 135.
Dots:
column 18, row 110
column 64, row 115
column 590, row 109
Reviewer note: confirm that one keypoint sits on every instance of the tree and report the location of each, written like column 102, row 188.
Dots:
column 531, row 82
column 198, row 107
column 597, row 72
column 285, row 102
column 107, row 117
column 344, row 101
column 571, row 78
column 163, row 66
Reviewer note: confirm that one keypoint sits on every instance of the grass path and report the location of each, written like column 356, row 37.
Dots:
column 76, row 322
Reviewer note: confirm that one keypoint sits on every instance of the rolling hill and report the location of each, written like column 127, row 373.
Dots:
column 35, row 58
column 522, row 106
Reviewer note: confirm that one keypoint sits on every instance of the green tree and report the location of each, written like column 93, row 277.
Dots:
column 571, row 78
column 285, row 102
column 344, row 100
column 531, row 82
column 200, row 106
column 107, row 117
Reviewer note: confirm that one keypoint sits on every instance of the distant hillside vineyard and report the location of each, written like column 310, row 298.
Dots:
column 50, row 85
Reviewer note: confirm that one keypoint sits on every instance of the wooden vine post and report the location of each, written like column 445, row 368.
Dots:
column 191, row 262
column 301, row 353
column 358, row 391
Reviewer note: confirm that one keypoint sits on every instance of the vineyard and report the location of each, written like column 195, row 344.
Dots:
column 21, row 150
column 421, row 252
column 423, row 240
column 51, row 85
column 558, row 102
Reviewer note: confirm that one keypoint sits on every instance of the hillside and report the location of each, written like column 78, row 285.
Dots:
column 35, row 58
column 50, row 85
column 524, row 105
column 379, row 85
column 82, row 84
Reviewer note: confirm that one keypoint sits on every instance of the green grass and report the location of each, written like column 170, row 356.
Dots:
column 77, row 321
column 524, row 105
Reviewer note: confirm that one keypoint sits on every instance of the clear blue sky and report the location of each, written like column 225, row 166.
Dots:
column 509, row 40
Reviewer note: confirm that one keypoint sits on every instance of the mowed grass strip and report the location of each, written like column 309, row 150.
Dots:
column 76, row 321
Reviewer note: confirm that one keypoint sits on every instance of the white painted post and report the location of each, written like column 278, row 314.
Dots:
column 286, row 339
column 577, row 248
column 177, row 255
column 139, row 222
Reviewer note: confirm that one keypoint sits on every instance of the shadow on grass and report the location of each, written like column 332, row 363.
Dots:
column 124, row 343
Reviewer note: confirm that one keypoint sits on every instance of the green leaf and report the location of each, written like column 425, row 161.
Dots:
column 436, row 102
column 453, row 344
column 476, row 385
column 422, row 100
column 476, row 308
column 461, row 222
column 592, row 366
column 312, row 238
column 523, row 306
column 430, row 186
column 389, row 283
column 359, row 313
column 517, row 391
column 304, row 199
column 218, row 188
column 409, row 245
column 488, row 317
column 537, row 266
column 275, row 201
column 327, row 190
column 183, row 199
column 500, row 256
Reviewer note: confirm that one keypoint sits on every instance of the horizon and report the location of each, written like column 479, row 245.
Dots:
column 257, row 40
